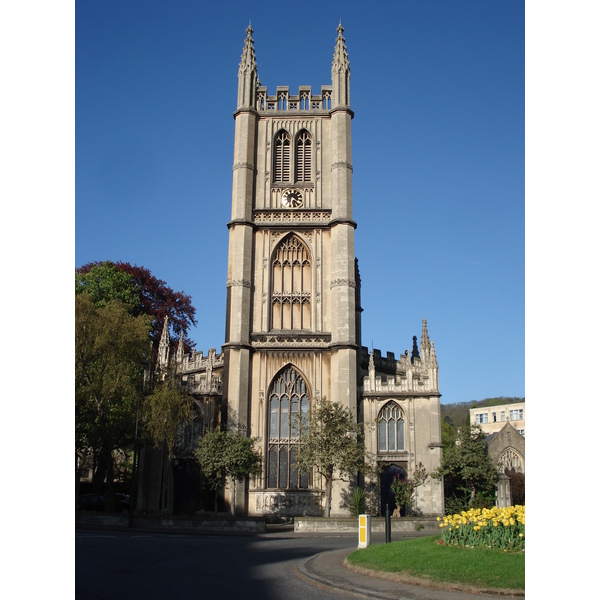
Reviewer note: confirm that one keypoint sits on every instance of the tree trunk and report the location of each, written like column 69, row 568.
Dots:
column 328, row 490
column 233, row 499
column 110, row 485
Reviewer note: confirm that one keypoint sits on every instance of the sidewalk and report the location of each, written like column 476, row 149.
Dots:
column 327, row 569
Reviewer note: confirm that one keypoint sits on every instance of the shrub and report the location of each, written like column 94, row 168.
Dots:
column 357, row 502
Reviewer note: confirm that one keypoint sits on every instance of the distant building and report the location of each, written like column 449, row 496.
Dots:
column 492, row 419
column 507, row 451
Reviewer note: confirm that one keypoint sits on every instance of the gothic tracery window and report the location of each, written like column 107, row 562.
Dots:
column 390, row 428
column 510, row 460
column 282, row 157
column 303, row 156
column 288, row 406
column 291, row 285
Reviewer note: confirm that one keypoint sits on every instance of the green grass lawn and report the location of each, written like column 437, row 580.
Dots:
column 425, row 558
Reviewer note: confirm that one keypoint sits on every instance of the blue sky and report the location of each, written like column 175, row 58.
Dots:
column 438, row 153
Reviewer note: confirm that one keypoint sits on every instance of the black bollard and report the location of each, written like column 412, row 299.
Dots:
column 388, row 525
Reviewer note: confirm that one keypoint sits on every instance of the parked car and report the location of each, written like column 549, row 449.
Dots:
column 97, row 502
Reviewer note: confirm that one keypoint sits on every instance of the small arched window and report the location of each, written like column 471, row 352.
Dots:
column 281, row 165
column 390, row 428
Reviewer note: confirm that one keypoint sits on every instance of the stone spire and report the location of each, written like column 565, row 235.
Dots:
column 427, row 350
column 425, row 343
column 247, row 74
column 180, row 349
column 371, row 371
column 340, row 71
column 163, row 346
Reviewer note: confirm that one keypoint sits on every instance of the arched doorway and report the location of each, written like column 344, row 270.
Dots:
column 385, row 487
column 186, row 487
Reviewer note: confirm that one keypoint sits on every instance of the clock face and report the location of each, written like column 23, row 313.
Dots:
column 291, row 199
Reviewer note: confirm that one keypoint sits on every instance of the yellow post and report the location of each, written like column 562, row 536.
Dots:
column 364, row 531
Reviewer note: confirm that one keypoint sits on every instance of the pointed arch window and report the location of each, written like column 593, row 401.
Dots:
column 510, row 460
column 291, row 277
column 282, row 157
column 303, row 156
column 390, row 428
column 289, row 402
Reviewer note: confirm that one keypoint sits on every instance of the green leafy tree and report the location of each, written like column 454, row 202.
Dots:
column 448, row 434
column 468, row 471
column 225, row 454
column 404, row 489
column 105, row 282
column 117, row 310
column 110, row 347
column 330, row 442
column 165, row 409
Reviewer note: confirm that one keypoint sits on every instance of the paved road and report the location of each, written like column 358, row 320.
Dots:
column 159, row 566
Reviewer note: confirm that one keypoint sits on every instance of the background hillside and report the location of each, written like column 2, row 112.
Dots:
column 456, row 414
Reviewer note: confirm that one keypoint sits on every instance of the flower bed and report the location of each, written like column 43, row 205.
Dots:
column 501, row 528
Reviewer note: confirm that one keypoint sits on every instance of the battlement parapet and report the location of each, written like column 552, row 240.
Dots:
column 304, row 101
column 196, row 361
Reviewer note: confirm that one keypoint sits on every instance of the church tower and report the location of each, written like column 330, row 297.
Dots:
column 292, row 316
column 293, row 321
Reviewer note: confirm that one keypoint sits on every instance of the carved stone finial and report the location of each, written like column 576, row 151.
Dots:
column 424, row 336
column 340, row 54
column 340, row 72
column 415, row 349
column 247, row 74
column 180, row 348
column 163, row 346
column 248, row 60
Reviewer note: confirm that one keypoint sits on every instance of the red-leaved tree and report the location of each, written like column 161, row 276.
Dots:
column 156, row 298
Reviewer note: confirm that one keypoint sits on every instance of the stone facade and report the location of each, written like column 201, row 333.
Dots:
column 293, row 331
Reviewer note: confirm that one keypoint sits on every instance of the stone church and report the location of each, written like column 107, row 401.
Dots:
column 293, row 317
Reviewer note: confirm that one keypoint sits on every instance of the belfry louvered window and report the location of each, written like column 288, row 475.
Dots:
column 288, row 408
column 303, row 156
column 390, row 428
column 282, row 156
column 291, row 274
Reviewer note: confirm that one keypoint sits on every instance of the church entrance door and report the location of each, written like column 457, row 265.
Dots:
column 385, row 487
column 186, row 479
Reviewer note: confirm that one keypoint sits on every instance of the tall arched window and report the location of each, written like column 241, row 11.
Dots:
column 281, row 167
column 303, row 156
column 390, row 428
column 288, row 406
column 291, row 285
